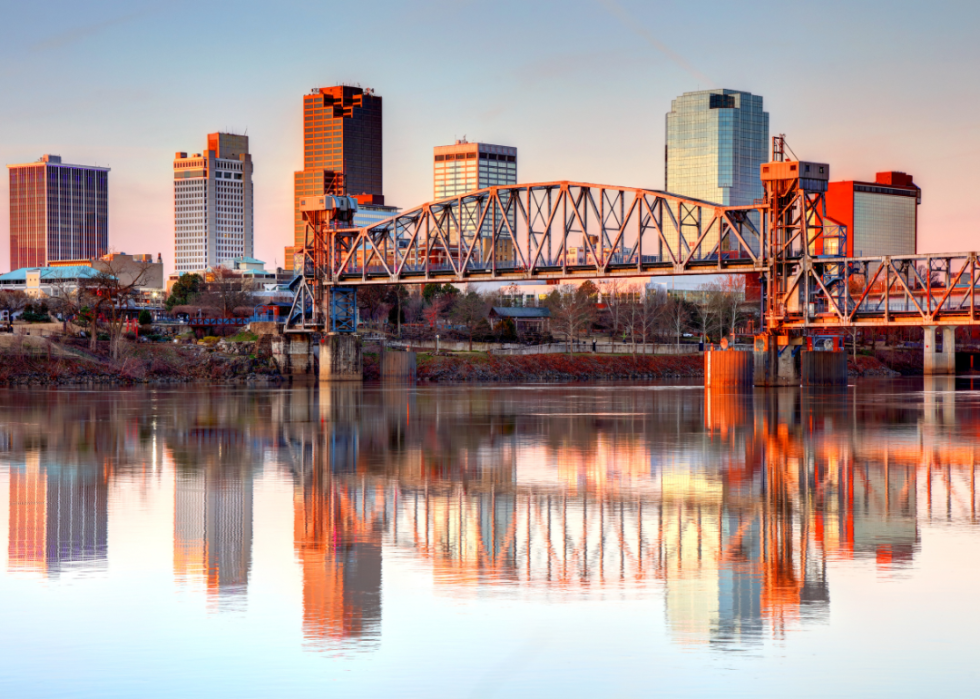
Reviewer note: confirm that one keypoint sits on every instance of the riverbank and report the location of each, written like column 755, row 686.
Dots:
column 37, row 361
column 446, row 367
column 541, row 368
column 40, row 361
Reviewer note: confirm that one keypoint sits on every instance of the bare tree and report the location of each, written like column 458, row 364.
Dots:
column 727, row 296
column 470, row 310
column 66, row 298
column 572, row 311
column 109, row 293
column 226, row 291
column 13, row 301
column 677, row 317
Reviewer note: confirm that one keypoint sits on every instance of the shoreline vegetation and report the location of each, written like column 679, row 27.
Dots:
column 34, row 360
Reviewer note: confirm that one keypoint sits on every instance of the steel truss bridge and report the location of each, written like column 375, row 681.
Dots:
column 568, row 231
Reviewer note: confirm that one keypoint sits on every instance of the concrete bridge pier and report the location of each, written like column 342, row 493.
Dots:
column 341, row 358
column 398, row 366
column 293, row 354
column 823, row 368
column 774, row 365
column 936, row 361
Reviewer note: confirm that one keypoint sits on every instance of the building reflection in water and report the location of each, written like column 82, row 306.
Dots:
column 728, row 507
column 58, row 515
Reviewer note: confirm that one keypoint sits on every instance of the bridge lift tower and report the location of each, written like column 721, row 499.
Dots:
column 320, row 305
column 806, row 276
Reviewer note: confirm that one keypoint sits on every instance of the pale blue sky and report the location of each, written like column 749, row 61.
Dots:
column 580, row 87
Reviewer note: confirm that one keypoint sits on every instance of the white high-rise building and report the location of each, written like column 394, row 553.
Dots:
column 213, row 204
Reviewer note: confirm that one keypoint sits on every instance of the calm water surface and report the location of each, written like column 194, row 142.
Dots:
column 546, row 541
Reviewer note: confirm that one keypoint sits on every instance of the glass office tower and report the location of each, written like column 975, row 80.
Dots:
column 716, row 142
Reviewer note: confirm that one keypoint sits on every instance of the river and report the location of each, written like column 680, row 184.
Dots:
column 489, row 541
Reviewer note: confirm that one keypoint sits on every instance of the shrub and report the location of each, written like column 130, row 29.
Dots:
column 145, row 317
column 209, row 341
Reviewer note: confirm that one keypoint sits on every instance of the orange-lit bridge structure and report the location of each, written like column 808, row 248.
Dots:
column 567, row 231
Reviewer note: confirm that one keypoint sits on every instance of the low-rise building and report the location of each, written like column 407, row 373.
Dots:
column 526, row 320
column 42, row 282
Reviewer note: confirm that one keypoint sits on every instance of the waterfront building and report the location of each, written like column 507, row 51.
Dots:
column 341, row 150
column 881, row 216
column 213, row 203
column 57, row 212
column 464, row 167
column 716, row 142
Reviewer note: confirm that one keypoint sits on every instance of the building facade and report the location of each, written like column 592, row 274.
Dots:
column 371, row 209
column 57, row 212
column 341, row 150
column 881, row 216
column 213, row 204
column 716, row 142
column 464, row 167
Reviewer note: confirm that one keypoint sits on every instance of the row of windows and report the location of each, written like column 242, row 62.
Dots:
column 472, row 156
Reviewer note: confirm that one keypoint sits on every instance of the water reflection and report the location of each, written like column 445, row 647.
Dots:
column 725, row 508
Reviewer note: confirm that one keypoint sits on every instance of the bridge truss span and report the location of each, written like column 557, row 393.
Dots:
column 907, row 290
column 551, row 230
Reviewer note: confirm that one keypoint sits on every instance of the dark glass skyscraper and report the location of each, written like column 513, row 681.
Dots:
column 341, row 150
column 57, row 212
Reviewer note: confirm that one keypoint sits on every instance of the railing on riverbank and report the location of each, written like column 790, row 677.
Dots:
column 549, row 348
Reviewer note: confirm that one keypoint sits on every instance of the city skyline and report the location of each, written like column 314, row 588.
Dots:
column 870, row 120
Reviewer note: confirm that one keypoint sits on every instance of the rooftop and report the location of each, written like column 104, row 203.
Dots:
column 50, row 273
column 521, row 312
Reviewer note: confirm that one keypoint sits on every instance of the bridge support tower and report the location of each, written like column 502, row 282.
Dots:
column 341, row 358
column 936, row 360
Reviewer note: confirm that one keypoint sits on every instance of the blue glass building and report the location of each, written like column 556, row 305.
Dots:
column 716, row 142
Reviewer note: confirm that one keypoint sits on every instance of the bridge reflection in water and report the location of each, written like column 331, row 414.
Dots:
column 725, row 508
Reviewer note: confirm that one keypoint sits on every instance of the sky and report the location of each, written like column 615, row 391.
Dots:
column 580, row 87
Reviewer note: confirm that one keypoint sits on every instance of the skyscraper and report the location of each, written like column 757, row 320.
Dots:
column 716, row 142
column 464, row 167
column 213, row 204
column 57, row 212
column 341, row 150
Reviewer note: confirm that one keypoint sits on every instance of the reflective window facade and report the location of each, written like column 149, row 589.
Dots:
column 369, row 214
column 57, row 212
column 881, row 216
column 716, row 142
column 883, row 224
